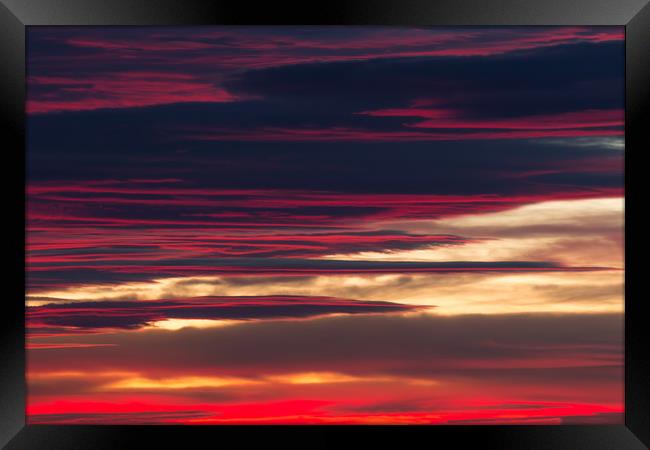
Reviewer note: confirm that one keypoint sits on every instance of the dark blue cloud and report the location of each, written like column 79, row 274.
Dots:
column 60, row 274
column 136, row 314
column 127, row 143
column 539, row 81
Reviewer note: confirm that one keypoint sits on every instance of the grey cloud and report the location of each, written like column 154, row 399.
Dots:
column 424, row 344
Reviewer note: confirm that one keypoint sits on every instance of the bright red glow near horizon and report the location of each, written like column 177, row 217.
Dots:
column 325, row 225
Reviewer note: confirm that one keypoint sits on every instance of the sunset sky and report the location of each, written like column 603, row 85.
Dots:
column 325, row 225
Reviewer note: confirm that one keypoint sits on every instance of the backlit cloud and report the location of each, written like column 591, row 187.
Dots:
column 137, row 314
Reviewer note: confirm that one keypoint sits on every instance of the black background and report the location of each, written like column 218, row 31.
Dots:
column 16, row 14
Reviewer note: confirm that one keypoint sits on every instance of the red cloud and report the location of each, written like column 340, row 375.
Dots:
column 480, row 368
column 341, row 134
column 230, row 51
column 122, row 90
column 442, row 118
column 310, row 412
column 234, row 209
column 439, row 125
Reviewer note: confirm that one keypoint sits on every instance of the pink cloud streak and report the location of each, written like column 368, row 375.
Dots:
column 123, row 90
column 228, row 51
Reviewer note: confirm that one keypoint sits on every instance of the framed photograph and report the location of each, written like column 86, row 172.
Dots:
column 391, row 222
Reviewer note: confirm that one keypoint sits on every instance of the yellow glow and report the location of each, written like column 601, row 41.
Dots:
column 177, row 324
column 135, row 381
column 461, row 293
column 178, row 383
column 487, row 250
column 314, row 378
column 600, row 211
column 573, row 232
column 334, row 377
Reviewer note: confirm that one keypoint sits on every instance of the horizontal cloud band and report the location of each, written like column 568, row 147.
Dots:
column 136, row 314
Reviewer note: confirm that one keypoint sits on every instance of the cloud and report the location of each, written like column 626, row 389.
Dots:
column 452, row 82
column 508, row 100
column 278, row 244
column 233, row 209
column 347, row 369
column 146, row 145
column 311, row 98
column 437, row 118
column 62, row 275
column 418, row 345
column 137, row 314
column 123, row 90
column 99, row 68
column 99, row 239
column 112, row 418
column 612, row 143
column 450, row 292
column 313, row 412
column 339, row 134
column 571, row 231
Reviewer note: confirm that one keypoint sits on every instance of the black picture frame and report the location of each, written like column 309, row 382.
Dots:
column 16, row 15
